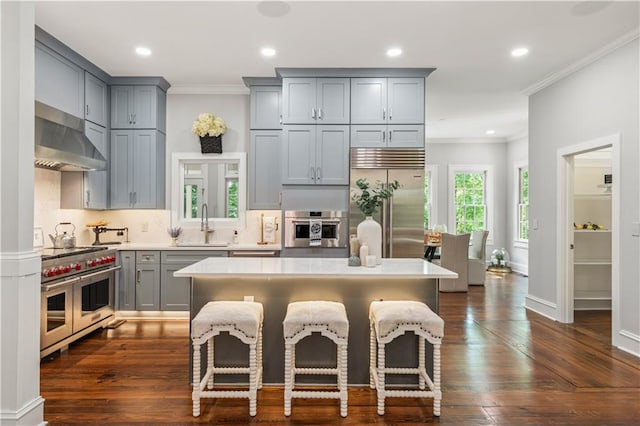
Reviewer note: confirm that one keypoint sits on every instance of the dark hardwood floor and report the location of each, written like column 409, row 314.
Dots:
column 502, row 365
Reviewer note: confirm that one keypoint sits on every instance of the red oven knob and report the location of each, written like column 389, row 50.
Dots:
column 51, row 272
column 67, row 268
column 78, row 267
column 59, row 270
column 91, row 262
column 103, row 260
column 112, row 258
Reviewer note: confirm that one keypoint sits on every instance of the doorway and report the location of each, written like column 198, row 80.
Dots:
column 588, row 258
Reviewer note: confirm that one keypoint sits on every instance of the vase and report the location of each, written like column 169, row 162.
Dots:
column 174, row 241
column 211, row 144
column 369, row 232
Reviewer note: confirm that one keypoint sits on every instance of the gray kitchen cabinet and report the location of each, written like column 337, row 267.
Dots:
column 175, row 292
column 137, row 169
column 58, row 81
column 87, row 190
column 266, row 107
column 126, row 294
column 315, row 155
column 147, row 280
column 315, row 100
column 95, row 99
column 387, row 136
column 264, row 169
column 387, row 101
column 138, row 107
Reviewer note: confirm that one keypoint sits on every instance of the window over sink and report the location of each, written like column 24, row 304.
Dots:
column 218, row 181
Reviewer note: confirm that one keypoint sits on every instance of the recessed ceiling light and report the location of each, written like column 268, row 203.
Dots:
column 143, row 51
column 519, row 51
column 268, row 51
column 491, row 132
column 394, row 51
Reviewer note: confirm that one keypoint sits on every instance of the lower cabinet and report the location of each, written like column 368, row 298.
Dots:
column 146, row 281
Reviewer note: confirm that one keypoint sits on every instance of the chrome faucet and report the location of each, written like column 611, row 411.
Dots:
column 204, row 222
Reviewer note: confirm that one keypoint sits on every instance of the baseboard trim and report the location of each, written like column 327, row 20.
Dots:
column 30, row 414
column 541, row 306
column 520, row 268
column 628, row 342
column 152, row 315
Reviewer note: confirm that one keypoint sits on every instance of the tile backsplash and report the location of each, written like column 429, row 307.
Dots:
column 145, row 226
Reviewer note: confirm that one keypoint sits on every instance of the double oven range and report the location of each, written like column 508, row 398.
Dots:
column 78, row 287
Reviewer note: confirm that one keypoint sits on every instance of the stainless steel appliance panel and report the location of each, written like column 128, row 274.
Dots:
column 93, row 298
column 296, row 228
column 56, row 312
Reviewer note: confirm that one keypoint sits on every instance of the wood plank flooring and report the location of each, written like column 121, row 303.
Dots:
column 502, row 365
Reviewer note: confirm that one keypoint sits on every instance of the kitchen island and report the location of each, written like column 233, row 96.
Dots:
column 275, row 282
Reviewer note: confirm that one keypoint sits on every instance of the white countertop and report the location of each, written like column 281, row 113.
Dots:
column 187, row 247
column 326, row 267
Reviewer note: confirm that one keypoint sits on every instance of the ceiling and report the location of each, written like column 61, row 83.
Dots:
column 209, row 46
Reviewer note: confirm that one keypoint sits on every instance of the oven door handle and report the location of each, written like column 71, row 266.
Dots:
column 327, row 221
column 50, row 287
column 102, row 271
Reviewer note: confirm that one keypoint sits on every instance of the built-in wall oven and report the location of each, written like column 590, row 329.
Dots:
column 78, row 287
column 315, row 229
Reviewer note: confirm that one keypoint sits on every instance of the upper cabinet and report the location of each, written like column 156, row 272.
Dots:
column 315, row 100
column 266, row 108
column 138, row 107
column 387, row 101
column 95, row 99
column 59, row 82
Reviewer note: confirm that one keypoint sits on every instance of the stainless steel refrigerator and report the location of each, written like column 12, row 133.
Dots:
column 401, row 216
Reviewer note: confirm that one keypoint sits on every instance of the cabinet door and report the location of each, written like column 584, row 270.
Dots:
column 95, row 99
column 147, row 287
column 58, row 82
column 175, row 293
column 96, row 183
column 369, row 136
column 120, row 170
column 299, row 101
column 406, row 136
column 406, row 100
column 126, row 294
column 332, row 99
column 265, row 181
column 266, row 107
column 143, row 166
column 332, row 155
column 121, row 107
column 298, row 155
column 145, row 107
column 368, row 100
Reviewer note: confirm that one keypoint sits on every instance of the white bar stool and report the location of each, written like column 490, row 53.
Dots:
column 330, row 320
column 390, row 319
column 242, row 320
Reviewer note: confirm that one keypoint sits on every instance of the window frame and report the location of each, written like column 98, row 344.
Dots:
column 519, row 242
column 488, row 170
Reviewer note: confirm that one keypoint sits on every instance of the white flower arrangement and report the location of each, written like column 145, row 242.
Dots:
column 208, row 124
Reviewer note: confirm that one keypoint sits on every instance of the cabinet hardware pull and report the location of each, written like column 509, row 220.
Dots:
column 138, row 276
column 130, row 118
column 88, row 197
column 384, row 136
column 390, row 114
column 134, row 118
column 87, row 109
column 384, row 113
column 313, row 113
column 318, row 173
column 390, row 133
column 280, row 118
column 319, row 113
column 313, row 174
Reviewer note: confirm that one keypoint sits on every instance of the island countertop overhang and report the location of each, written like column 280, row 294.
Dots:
column 325, row 267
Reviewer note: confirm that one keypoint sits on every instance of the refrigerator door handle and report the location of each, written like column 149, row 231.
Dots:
column 390, row 221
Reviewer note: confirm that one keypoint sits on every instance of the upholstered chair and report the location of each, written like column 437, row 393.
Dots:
column 477, row 256
column 454, row 257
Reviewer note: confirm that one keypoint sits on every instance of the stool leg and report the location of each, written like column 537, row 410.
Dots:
column 260, row 368
column 421, row 363
column 253, row 380
column 381, row 382
column 195, row 395
column 288, row 380
column 210, row 364
column 342, row 377
column 436, row 380
column 372, row 355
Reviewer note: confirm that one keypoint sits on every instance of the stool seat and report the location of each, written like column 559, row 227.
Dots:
column 242, row 320
column 330, row 320
column 390, row 319
column 391, row 316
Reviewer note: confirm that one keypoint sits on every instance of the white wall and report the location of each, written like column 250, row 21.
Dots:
column 517, row 156
column 596, row 101
column 457, row 152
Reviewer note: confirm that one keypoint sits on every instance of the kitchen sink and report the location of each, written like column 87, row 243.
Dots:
column 214, row 244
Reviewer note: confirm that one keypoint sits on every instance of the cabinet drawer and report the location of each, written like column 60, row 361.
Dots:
column 189, row 257
column 148, row 257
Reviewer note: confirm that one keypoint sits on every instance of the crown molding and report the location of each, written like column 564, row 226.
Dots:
column 208, row 89
column 518, row 136
column 465, row 140
column 592, row 57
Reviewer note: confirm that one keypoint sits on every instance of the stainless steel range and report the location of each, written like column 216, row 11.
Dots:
column 78, row 287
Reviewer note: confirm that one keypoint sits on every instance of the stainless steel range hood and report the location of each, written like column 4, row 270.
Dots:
column 60, row 143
